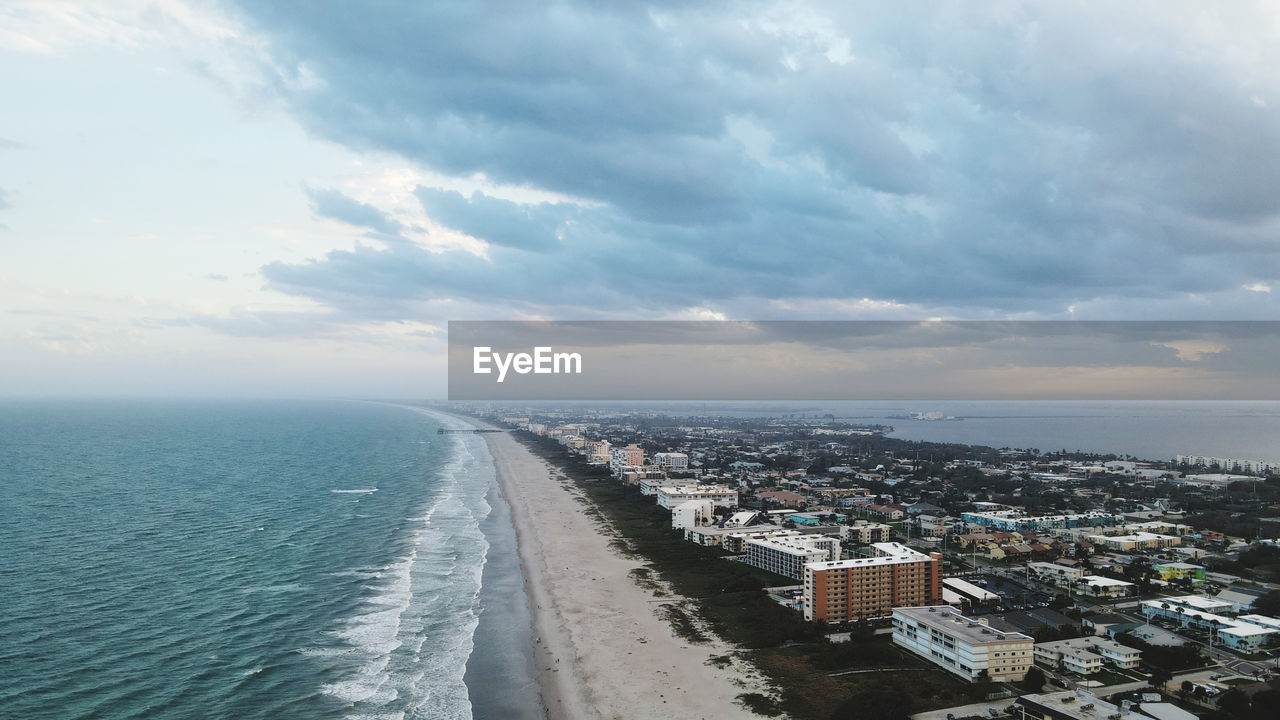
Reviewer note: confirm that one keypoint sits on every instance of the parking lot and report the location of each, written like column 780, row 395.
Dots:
column 1013, row 595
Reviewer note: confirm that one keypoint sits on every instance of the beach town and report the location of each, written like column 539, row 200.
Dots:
column 730, row 567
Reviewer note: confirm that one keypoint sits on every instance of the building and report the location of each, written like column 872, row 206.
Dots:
column 1067, row 705
column 969, row 592
column 886, row 512
column 788, row 555
column 692, row 513
column 963, row 646
column 1134, row 542
column 1238, row 633
column 637, row 475
column 1107, row 624
column 719, row 495
column 651, row 485
column 671, row 461
column 1086, row 655
column 814, row 518
column 598, row 452
column 1105, row 587
column 1017, row 520
column 1056, row 573
column 867, row 587
column 629, row 456
column 1180, row 570
column 863, row 532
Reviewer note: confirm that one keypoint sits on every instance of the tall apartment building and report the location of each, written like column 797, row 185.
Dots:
column 789, row 555
column 962, row 645
column 599, row 452
column 629, row 456
column 869, row 587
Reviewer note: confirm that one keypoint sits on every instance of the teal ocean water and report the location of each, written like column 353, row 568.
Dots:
column 254, row 560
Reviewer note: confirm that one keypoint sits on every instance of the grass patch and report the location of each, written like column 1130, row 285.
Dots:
column 1113, row 677
column 760, row 704
column 682, row 624
column 720, row 661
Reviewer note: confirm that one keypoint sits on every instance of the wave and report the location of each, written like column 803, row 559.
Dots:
column 405, row 648
column 356, row 491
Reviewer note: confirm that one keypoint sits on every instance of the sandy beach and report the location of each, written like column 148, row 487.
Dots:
column 603, row 649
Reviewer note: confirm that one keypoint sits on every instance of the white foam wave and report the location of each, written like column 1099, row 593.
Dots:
column 356, row 491
column 412, row 636
column 285, row 587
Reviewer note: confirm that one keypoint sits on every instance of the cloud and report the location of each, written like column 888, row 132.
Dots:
column 496, row 221
column 853, row 158
column 4, row 200
column 334, row 205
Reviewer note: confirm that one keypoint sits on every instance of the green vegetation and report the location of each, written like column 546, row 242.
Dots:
column 1034, row 681
column 1113, row 677
column 1268, row 604
column 760, row 704
column 682, row 624
column 1236, row 704
column 1172, row 659
column 1260, row 561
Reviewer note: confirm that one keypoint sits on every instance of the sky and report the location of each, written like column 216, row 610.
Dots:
column 294, row 198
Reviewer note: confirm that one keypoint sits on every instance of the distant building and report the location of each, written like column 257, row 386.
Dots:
column 1180, row 570
column 1135, row 541
column 1086, row 655
column 788, row 555
column 1056, row 573
column 813, row 518
column 1018, row 520
column 868, row 587
column 887, row 512
column 1105, row 587
column 692, row 513
column 719, row 495
column 672, row 461
column 1107, row 624
column 963, row 646
column 865, row 533
column 629, row 456
column 1239, row 633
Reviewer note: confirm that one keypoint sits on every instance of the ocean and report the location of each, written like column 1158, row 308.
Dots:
column 1147, row 430
column 220, row 559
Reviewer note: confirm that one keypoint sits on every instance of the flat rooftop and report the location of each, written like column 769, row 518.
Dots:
column 1072, row 703
column 889, row 553
column 946, row 619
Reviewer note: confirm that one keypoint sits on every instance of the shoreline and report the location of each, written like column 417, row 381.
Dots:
column 602, row 649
